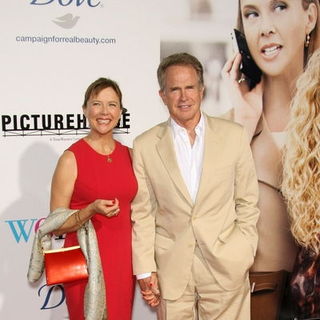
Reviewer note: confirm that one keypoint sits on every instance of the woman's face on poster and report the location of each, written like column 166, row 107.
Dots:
column 276, row 32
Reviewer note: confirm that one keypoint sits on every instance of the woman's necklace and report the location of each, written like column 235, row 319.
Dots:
column 107, row 151
column 109, row 158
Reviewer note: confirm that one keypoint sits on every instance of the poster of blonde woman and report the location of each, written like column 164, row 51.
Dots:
column 281, row 36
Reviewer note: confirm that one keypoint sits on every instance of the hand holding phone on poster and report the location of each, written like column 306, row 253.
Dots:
column 245, row 95
column 248, row 67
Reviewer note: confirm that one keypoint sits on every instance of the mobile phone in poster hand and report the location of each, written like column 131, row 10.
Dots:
column 248, row 66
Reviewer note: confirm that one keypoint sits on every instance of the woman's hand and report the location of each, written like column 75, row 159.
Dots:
column 150, row 290
column 247, row 103
column 108, row 208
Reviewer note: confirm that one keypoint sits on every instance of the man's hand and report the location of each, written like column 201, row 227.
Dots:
column 150, row 290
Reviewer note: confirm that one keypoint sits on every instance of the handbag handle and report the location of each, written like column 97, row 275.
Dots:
column 60, row 250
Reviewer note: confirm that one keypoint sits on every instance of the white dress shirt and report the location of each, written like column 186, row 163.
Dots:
column 189, row 158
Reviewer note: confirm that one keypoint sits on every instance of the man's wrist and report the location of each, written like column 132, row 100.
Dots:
column 143, row 275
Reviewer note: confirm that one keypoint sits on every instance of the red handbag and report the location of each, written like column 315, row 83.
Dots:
column 65, row 265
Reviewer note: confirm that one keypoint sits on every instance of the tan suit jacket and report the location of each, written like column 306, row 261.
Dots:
column 167, row 225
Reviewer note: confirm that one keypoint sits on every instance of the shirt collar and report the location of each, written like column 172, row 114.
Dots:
column 176, row 128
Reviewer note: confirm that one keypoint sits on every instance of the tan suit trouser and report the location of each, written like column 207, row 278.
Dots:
column 204, row 299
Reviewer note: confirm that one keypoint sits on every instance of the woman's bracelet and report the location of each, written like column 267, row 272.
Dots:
column 78, row 220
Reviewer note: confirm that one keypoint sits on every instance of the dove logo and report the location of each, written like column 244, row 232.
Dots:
column 66, row 21
column 65, row 3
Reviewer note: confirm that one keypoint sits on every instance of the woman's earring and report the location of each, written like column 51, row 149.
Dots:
column 307, row 42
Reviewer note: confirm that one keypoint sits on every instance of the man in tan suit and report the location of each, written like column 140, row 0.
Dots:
column 194, row 216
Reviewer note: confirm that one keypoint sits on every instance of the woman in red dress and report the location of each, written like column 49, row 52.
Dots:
column 95, row 176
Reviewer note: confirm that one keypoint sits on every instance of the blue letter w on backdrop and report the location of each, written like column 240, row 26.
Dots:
column 21, row 228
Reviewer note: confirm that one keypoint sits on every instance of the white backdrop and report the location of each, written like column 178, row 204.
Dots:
column 50, row 51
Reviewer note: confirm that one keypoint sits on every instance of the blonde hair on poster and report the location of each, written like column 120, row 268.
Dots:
column 301, row 181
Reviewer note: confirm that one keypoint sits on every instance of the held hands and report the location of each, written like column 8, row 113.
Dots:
column 150, row 290
column 247, row 103
column 108, row 208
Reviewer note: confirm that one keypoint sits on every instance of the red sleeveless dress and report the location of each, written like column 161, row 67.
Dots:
column 99, row 178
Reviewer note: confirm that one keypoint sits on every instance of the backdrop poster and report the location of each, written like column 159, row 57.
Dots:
column 50, row 51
